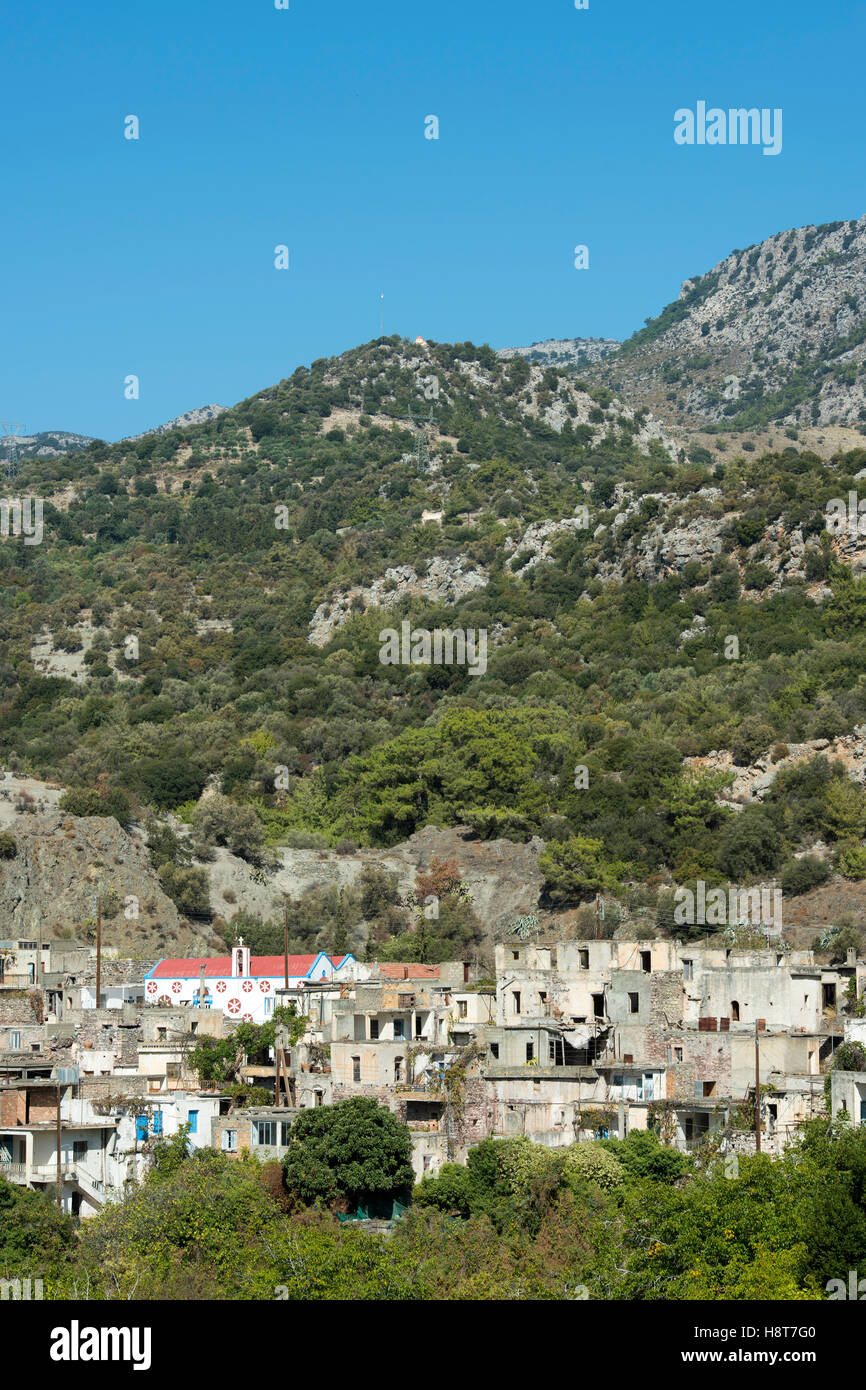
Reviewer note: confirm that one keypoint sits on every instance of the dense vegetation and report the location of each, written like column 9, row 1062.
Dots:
column 171, row 539
column 606, row 1220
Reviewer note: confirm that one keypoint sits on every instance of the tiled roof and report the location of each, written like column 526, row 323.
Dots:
column 220, row 967
column 393, row 971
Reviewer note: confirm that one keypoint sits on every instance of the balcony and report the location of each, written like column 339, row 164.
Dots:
column 37, row 1172
column 16, row 982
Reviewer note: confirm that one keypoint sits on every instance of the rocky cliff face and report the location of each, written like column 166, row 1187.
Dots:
column 776, row 332
column 60, row 863
column 503, row 877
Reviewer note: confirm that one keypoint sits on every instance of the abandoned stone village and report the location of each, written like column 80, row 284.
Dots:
column 569, row 1042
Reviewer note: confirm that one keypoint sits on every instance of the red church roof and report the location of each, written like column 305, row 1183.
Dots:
column 220, row 967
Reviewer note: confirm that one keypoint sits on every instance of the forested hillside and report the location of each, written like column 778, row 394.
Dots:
column 205, row 607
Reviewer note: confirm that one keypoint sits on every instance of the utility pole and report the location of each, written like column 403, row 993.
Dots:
column 59, row 1161
column 98, row 948
column 757, row 1091
column 597, row 916
column 286, row 946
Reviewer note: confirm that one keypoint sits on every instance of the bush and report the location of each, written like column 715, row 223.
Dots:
column 852, row 862
column 97, row 801
column 802, row 874
column 591, row 1163
column 850, row 1056
column 217, row 820
column 304, row 839
column 8, row 845
column 187, row 888
column 348, row 1153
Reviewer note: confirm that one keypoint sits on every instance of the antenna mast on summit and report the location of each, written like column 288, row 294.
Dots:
column 11, row 431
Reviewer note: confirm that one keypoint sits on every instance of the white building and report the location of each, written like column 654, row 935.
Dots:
column 241, row 986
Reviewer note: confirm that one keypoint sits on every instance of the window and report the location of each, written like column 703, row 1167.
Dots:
column 157, row 1122
column 646, row 962
column 269, row 1004
column 265, row 1132
column 398, row 1029
column 374, row 1028
column 15, row 1041
column 688, row 969
column 735, row 1011
column 356, row 1069
column 285, row 1126
column 192, row 1121
column 516, row 997
column 31, row 973
column 617, row 1081
column 598, row 1006
column 633, row 1003
column 161, row 1034
column 678, row 1054
column 494, row 1051
column 709, row 1088
column 398, row 1069
column 583, row 960
column 319, row 1098
column 79, row 1150
column 419, row 1026
column 530, row 1051
column 230, row 1141
column 462, row 1008
column 515, row 955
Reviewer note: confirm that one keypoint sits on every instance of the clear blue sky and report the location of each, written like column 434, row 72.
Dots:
column 306, row 127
